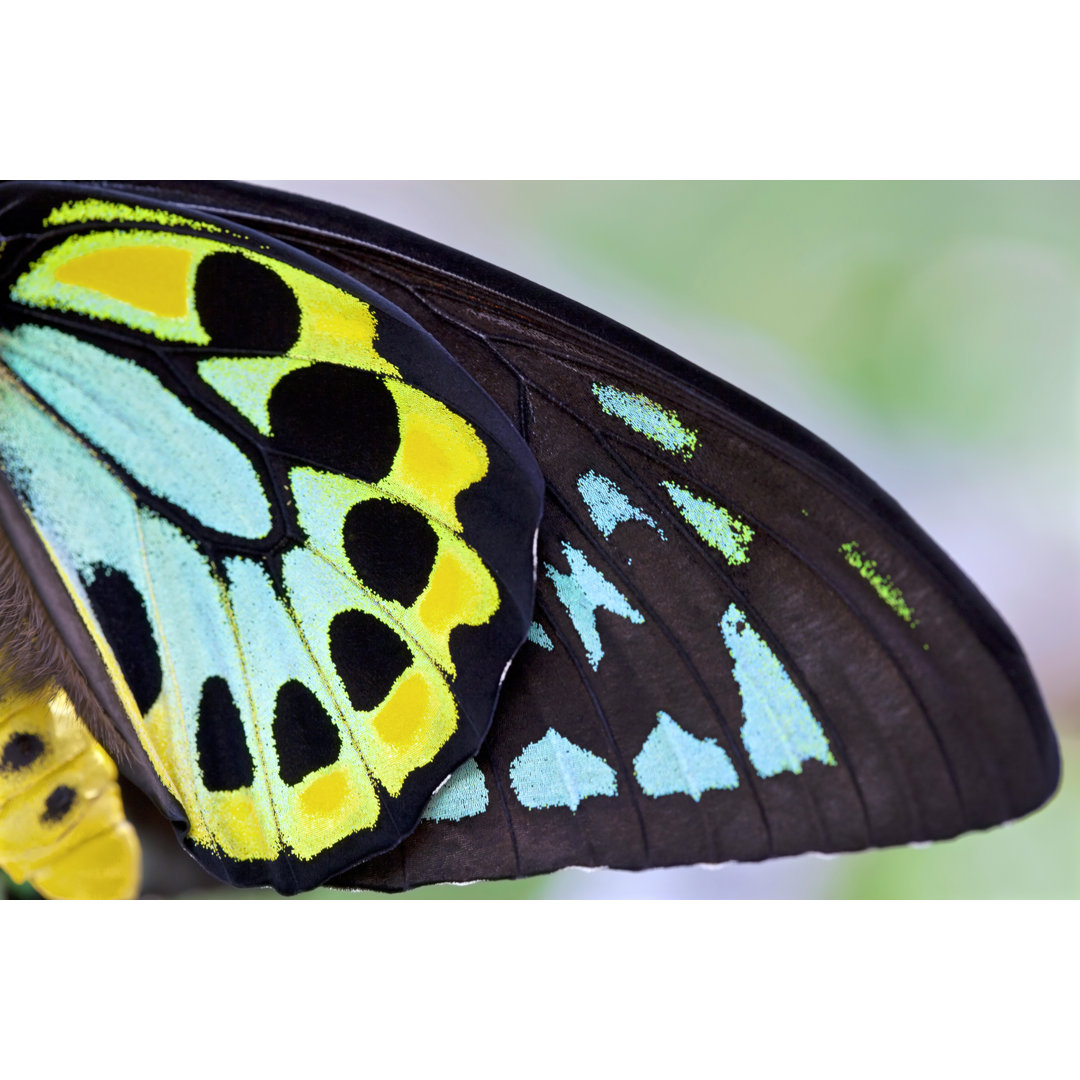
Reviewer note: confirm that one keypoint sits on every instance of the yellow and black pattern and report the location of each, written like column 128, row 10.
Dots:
column 277, row 506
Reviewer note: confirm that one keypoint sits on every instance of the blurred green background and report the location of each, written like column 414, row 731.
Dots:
column 929, row 331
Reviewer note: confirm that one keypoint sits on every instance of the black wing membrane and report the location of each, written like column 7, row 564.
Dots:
column 646, row 615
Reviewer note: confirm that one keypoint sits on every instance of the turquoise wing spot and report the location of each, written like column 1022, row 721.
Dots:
column 608, row 506
column 673, row 761
column 646, row 417
column 718, row 527
column 464, row 795
column 273, row 650
column 581, row 592
column 553, row 771
column 539, row 636
column 780, row 732
column 125, row 411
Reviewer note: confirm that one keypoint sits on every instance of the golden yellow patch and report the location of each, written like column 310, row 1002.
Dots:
column 410, row 727
column 241, row 822
column 152, row 278
column 329, row 805
column 439, row 457
column 402, row 716
column 460, row 591
column 325, row 795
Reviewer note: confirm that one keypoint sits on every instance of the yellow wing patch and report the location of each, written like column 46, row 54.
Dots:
column 151, row 277
column 145, row 279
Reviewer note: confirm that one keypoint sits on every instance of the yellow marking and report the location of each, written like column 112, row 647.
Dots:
column 145, row 279
column 439, row 457
column 325, row 795
column 87, row 210
column 153, row 279
column 91, row 852
column 330, row 805
column 238, row 823
column 334, row 326
column 459, row 591
column 410, row 727
column 399, row 719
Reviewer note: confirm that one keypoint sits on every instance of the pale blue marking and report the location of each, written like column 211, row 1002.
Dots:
column 463, row 795
column 581, row 592
column 780, row 732
column 718, row 527
column 608, row 506
column 539, row 636
column 554, row 772
column 273, row 651
column 673, row 761
column 126, row 412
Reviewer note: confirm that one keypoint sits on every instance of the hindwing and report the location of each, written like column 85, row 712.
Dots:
column 298, row 538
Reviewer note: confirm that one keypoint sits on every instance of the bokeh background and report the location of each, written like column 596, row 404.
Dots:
column 928, row 331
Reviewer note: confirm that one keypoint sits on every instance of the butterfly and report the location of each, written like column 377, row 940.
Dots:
column 375, row 566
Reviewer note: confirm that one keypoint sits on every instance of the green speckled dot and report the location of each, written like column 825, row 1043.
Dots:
column 647, row 418
column 882, row 584
column 718, row 527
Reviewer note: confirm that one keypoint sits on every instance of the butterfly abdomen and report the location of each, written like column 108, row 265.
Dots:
column 62, row 822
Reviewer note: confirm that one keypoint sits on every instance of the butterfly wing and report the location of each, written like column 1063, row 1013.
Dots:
column 742, row 646
column 288, row 540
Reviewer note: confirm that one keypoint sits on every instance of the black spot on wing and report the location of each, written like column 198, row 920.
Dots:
column 23, row 748
column 224, row 758
column 122, row 616
column 244, row 305
column 391, row 547
column 336, row 417
column 368, row 656
column 304, row 735
column 58, row 803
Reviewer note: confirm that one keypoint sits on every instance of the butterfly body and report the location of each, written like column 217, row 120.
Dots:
column 62, row 823
column 739, row 647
